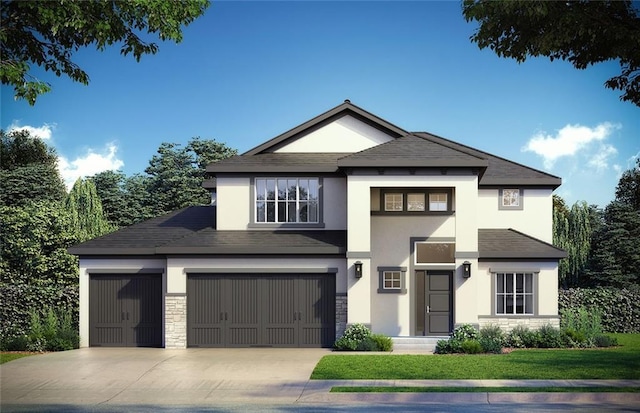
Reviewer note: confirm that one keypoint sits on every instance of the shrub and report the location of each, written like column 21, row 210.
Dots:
column 491, row 339
column 605, row 341
column 550, row 337
column 359, row 337
column 53, row 332
column 582, row 326
column 447, row 346
column 522, row 337
column 383, row 342
column 471, row 347
column 465, row 332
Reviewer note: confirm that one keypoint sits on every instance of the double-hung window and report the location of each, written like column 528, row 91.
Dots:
column 287, row 200
column 514, row 293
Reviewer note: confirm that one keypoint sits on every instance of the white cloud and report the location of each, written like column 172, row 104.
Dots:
column 570, row 140
column 90, row 164
column 600, row 160
column 43, row 132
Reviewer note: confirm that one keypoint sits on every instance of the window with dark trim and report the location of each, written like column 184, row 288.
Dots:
column 514, row 293
column 510, row 199
column 415, row 201
column 392, row 280
column 287, row 200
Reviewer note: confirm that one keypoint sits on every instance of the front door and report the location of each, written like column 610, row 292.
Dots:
column 434, row 308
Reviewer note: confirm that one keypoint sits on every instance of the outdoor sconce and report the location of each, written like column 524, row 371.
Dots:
column 466, row 269
column 358, row 269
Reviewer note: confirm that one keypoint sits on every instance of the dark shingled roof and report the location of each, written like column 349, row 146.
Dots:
column 279, row 162
column 500, row 171
column 192, row 231
column 512, row 244
column 412, row 151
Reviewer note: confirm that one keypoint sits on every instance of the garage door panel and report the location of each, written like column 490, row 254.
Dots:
column 262, row 310
column 205, row 311
column 125, row 310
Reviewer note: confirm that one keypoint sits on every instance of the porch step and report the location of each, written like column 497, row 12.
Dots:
column 416, row 344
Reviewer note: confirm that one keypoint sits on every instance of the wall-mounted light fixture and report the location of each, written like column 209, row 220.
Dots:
column 357, row 266
column 466, row 269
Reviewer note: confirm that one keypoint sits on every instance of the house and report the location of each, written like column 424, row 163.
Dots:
column 343, row 219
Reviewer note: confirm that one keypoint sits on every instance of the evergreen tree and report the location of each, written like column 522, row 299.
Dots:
column 572, row 232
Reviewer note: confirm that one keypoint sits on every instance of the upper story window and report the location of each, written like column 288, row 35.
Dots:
column 415, row 201
column 287, row 200
column 510, row 198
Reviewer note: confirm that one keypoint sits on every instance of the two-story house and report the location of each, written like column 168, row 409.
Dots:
column 343, row 219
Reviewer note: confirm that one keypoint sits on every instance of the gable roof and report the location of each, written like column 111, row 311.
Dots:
column 408, row 150
column 344, row 109
column 412, row 151
column 192, row 231
column 512, row 244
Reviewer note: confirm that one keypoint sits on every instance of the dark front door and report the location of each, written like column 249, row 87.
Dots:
column 434, row 303
column 125, row 310
column 245, row 310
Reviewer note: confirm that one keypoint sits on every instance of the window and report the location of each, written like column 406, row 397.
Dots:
column 435, row 252
column 437, row 202
column 393, row 202
column 514, row 293
column 392, row 280
column 287, row 200
column 510, row 199
column 415, row 202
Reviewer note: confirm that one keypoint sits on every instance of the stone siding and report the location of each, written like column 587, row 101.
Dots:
column 341, row 314
column 175, row 321
column 509, row 323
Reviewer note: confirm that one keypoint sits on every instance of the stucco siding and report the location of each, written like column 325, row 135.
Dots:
column 346, row 134
column 535, row 219
column 234, row 203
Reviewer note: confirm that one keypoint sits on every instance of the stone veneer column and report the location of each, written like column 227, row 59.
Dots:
column 341, row 314
column 175, row 320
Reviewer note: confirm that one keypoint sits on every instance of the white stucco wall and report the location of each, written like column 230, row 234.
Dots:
column 535, row 219
column 235, row 198
column 346, row 134
column 115, row 265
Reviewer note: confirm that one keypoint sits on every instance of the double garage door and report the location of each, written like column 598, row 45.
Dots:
column 249, row 310
column 235, row 310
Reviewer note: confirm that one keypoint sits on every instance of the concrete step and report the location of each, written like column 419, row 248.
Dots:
column 416, row 344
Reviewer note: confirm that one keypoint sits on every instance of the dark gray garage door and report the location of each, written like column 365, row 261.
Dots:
column 125, row 310
column 246, row 310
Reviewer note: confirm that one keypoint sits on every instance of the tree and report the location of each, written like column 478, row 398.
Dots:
column 125, row 200
column 572, row 232
column 47, row 33
column 85, row 209
column 28, row 170
column 176, row 173
column 628, row 189
column 582, row 32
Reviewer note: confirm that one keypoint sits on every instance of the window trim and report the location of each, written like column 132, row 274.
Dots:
column 518, row 207
column 271, row 225
column 403, row 277
column 534, row 294
column 406, row 191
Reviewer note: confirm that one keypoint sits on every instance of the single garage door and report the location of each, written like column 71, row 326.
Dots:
column 249, row 310
column 125, row 310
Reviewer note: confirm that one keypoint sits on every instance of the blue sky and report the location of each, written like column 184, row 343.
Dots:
column 248, row 71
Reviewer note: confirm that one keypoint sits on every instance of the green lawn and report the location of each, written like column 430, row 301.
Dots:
column 7, row 357
column 407, row 389
column 622, row 362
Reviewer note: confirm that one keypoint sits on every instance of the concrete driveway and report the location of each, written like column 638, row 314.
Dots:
column 141, row 376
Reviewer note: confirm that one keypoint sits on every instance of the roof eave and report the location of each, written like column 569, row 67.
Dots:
column 404, row 163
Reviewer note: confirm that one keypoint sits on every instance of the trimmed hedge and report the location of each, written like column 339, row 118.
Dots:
column 619, row 308
column 18, row 300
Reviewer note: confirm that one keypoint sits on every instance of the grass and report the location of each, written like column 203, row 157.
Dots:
column 408, row 389
column 6, row 357
column 621, row 362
